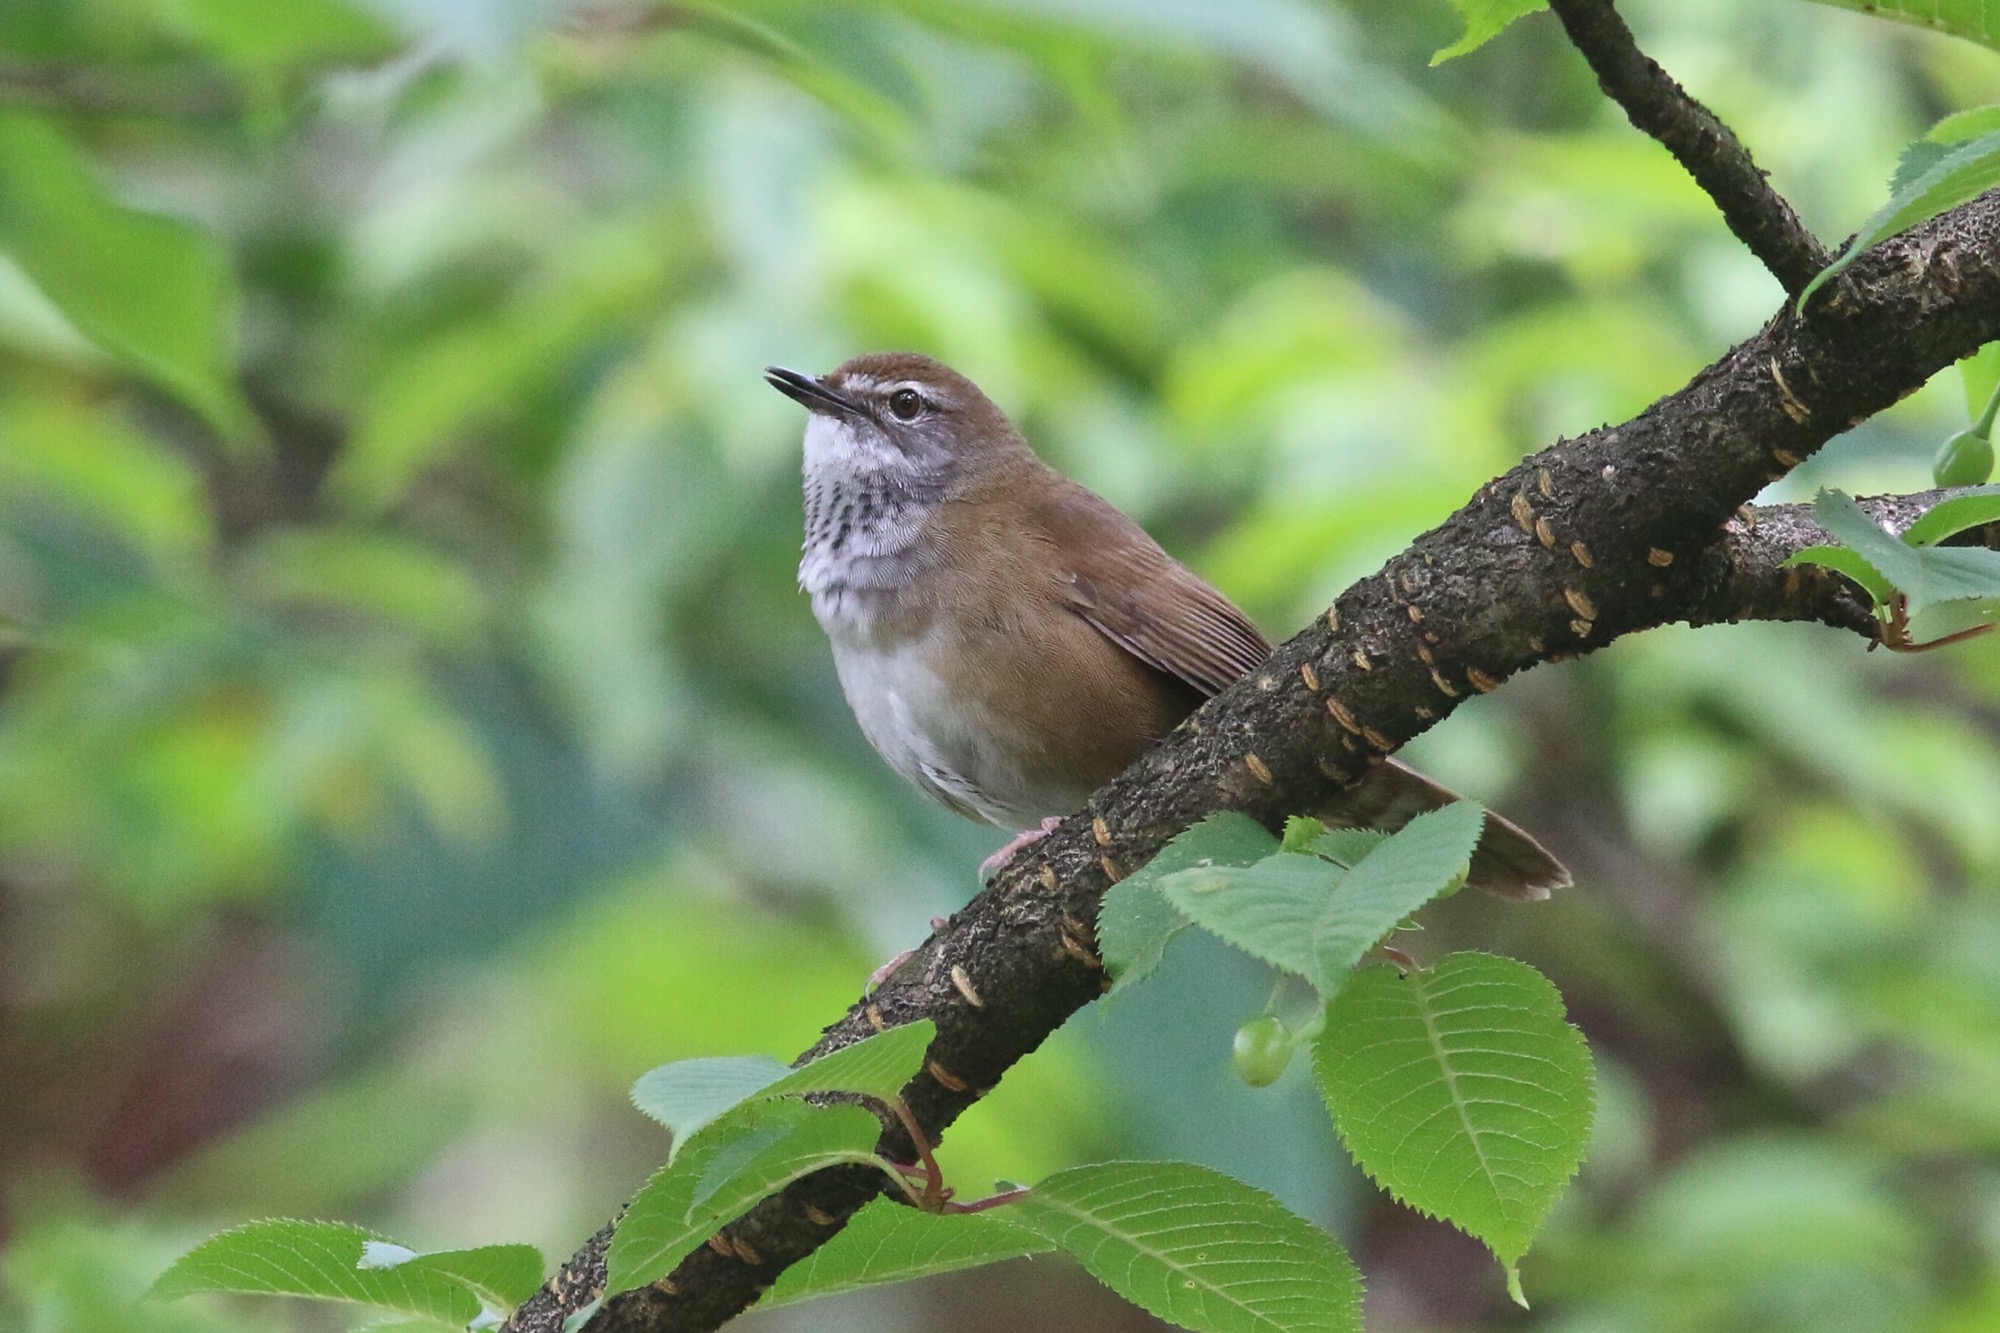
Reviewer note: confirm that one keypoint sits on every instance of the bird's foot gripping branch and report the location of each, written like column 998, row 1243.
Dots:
column 1458, row 1087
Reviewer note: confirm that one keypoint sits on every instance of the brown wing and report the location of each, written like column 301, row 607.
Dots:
column 1161, row 612
column 1144, row 600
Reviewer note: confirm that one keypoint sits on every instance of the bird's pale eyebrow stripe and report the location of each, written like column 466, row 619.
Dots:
column 861, row 384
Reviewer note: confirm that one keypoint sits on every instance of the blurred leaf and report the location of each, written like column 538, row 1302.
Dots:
column 844, row 90
column 1308, row 48
column 1462, row 1092
column 155, row 292
column 888, row 1242
column 96, row 464
column 1485, row 20
column 263, row 39
column 69, row 1275
column 1970, row 19
column 1843, row 560
column 1136, row 922
column 424, row 403
column 1798, row 1229
column 326, row 1152
column 359, row 573
column 1197, row 1248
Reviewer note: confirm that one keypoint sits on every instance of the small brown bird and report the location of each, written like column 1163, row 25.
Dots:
column 1008, row 640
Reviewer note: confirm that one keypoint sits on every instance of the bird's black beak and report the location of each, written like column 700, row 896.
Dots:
column 810, row 391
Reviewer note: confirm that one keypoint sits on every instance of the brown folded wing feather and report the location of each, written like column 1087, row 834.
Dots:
column 1144, row 600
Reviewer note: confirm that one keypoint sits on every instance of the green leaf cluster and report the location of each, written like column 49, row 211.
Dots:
column 1460, row 1089
column 1185, row 1243
column 1913, row 570
column 1311, row 906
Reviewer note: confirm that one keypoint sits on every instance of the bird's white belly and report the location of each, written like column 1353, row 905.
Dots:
column 931, row 732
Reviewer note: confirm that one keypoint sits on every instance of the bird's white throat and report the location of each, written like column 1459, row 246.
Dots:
column 866, row 503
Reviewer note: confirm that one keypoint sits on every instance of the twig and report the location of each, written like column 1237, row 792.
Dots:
column 1713, row 154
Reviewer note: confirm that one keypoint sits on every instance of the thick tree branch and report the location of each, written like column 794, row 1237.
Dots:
column 1623, row 529
column 1711, row 152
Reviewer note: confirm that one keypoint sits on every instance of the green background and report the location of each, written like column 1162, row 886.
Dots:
column 410, row 730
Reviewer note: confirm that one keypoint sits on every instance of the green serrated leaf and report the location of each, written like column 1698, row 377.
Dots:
column 317, row 1259
column 1848, row 524
column 1136, row 922
column 877, row 1066
column 1973, row 20
column 688, row 1094
column 887, row 1242
column 1462, row 1091
column 1403, row 872
column 1966, row 172
column 1268, row 910
column 1925, row 575
column 154, row 292
column 1306, row 916
column 500, row 1276
column 1947, row 518
column 1843, row 561
column 1197, row 1248
column 1917, row 157
column 1485, row 20
column 1347, row 845
column 1956, row 574
column 686, row 1202
column 1300, row 833
column 1970, row 123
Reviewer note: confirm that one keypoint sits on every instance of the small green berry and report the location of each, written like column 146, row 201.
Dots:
column 1966, row 459
column 1263, row 1049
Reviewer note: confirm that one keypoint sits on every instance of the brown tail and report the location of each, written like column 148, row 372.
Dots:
column 1508, row 863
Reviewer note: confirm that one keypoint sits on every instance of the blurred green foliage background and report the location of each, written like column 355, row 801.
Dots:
column 410, row 730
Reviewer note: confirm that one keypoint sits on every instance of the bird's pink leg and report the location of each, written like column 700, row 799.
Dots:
column 997, row 862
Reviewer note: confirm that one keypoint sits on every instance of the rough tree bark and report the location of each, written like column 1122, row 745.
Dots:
column 1620, row 530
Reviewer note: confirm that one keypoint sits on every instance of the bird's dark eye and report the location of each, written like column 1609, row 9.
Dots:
column 907, row 404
